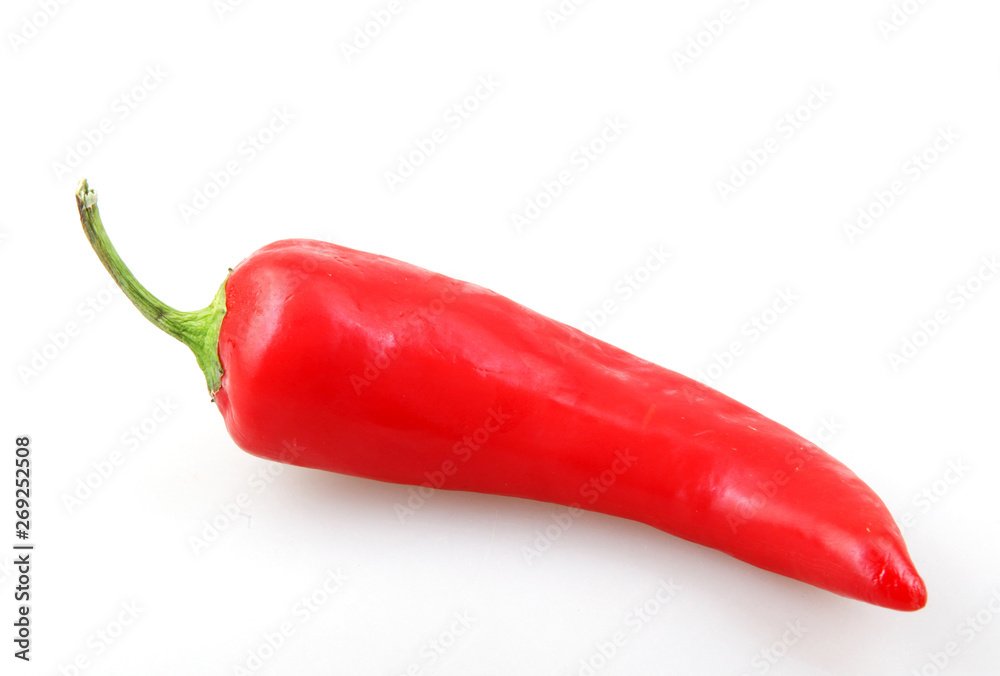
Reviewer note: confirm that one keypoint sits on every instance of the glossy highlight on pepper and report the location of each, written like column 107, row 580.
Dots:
column 346, row 361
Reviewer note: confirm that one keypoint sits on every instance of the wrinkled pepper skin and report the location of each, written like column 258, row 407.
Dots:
column 356, row 363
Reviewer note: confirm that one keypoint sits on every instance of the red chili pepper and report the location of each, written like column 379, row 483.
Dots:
column 326, row 357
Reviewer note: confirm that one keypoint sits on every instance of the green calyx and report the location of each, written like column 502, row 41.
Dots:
column 199, row 330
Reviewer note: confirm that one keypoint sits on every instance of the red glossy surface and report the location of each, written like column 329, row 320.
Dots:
column 355, row 363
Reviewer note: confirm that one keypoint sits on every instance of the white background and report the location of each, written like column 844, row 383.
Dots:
column 921, row 432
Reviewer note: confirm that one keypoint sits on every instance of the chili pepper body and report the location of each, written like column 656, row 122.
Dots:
column 356, row 363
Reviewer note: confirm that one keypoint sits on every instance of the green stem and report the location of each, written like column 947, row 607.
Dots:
column 198, row 330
